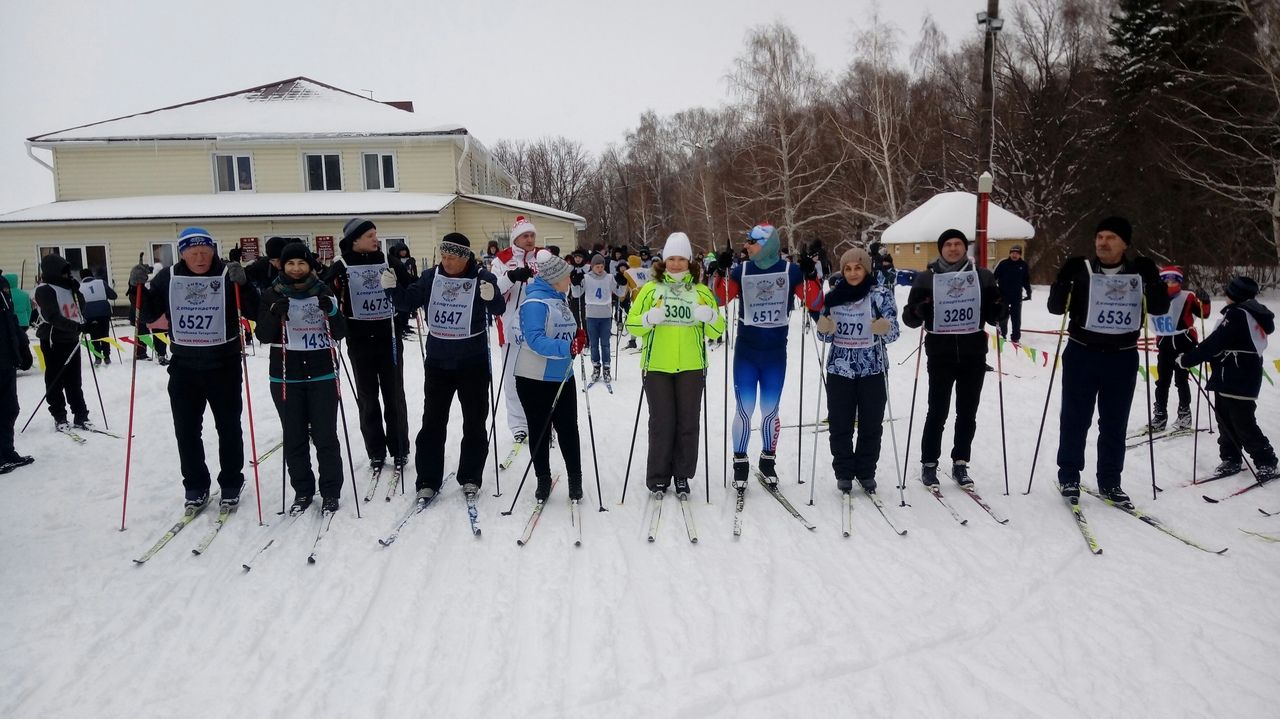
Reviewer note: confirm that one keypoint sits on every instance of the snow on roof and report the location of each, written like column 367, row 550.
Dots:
column 295, row 108
column 234, row 205
column 529, row 207
column 957, row 210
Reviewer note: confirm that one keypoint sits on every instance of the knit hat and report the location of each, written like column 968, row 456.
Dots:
column 677, row 246
column 597, row 259
column 296, row 251
column 522, row 226
column 274, row 245
column 194, row 237
column 1118, row 225
column 455, row 244
column 1242, row 289
column 856, row 256
column 1171, row 273
column 1016, row 248
column 765, row 235
column 355, row 227
column 551, row 268
column 952, row 234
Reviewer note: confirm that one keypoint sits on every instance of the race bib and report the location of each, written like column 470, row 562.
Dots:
column 853, row 324
column 94, row 291
column 67, row 304
column 560, row 324
column 639, row 275
column 598, row 290
column 764, row 299
column 677, row 301
column 957, row 303
column 306, row 327
column 449, row 312
column 1167, row 324
column 198, row 310
column 1115, row 304
column 368, row 300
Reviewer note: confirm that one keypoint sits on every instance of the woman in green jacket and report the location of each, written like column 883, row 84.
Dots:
column 675, row 315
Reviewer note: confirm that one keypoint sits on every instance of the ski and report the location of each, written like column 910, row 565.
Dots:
column 738, row 502
column 1265, row 513
column 776, row 493
column 880, row 508
column 95, row 430
column 224, row 513
column 1260, row 535
column 1083, row 524
column 1172, row 434
column 71, row 435
column 414, row 510
column 609, row 386
column 846, row 512
column 656, row 517
column 188, row 515
column 936, row 491
column 280, row 528
column 687, row 511
column 269, row 451
column 375, row 473
column 973, row 494
column 1262, row 479
column 589, row 385
column 1148, row 519
column 326, row 518
column 575, row 518
column 473, row 514
column 511, row 455
column 397, row 476
column 538, row 506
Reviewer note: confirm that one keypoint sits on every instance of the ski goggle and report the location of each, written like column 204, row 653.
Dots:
column 759, row 233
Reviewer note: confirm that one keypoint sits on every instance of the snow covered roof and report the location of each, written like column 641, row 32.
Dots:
column 529, row 207
column 296, row 108
column 957, row 210
column 233, row 205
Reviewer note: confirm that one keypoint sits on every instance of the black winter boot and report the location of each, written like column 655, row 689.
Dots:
column 766, row 467
column 741, row 471
column 929, row 474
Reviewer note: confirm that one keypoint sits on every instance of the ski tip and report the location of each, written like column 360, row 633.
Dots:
column 246, row 568
column 1222, row 551
column 519, row 542
column 139, row 562
column 505, row 514
column 195, row 552
column 902, row 533
column 651, row 539
column 577, row 542
column 311, row 559
column 846, row 534
column 1208, row 499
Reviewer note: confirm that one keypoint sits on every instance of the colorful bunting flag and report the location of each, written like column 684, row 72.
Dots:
column 149, row 341
column 89, row 346
column 39, row 356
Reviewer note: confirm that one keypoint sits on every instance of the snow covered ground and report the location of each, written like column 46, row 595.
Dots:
column 977, row 620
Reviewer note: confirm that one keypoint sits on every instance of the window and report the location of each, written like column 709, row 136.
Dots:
column 324, row 172
column 91, row 257
column 163, row 254
column 233, row 173
column 379, row 171
column 917, row 248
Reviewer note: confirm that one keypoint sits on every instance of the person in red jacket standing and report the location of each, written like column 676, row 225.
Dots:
column 1175, row 331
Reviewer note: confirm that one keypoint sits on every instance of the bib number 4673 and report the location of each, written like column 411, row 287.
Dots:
column 376, row 305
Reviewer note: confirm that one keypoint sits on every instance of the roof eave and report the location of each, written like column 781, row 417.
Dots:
column 45, row 141
column 155, row 219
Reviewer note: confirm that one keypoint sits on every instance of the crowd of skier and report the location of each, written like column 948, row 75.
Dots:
column 507, row 325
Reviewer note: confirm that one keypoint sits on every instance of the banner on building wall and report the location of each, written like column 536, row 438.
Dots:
column 248, row 249
column 324, row 248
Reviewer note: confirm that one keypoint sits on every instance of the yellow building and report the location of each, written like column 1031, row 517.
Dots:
column 294, row 158
column 913, row 240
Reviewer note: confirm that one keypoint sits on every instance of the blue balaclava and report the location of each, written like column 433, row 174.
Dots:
column 765, row 235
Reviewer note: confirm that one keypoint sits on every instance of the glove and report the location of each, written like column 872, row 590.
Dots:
column 1072, row 267
column 280, row 308
column 487, row 291
column 575, row 278
column 703, row 313
column 519, row 274
column 1147, row 269
column 655, row 317
column 924, row 309
column 326, row 304
column 578, row 342
column 1027, row 296
column 235, row 273
column 620, row 279
column 835, row 279
column 880, row 326
column 826, row 325
column 388, row 279
column 807, row 267
column 24, row 355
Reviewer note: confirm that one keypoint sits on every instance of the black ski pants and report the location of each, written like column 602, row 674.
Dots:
column 98, row 329
column 8, row 411
column 1014, row 316
column 966, row 376
column 309, row 415
column 62, row 380
column 537, row 398
column 674, row 402
column 860, row 400
column 375, row 372
column 1107, row 380
column 219, row 389
column 1239, row 428
column 1168, row 370
column 471, row 385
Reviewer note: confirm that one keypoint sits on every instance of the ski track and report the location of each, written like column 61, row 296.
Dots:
column 977, row 620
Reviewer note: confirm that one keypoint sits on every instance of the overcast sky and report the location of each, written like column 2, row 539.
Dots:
column 583, row 69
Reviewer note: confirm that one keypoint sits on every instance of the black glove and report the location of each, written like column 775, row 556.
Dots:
column 807, row 268
column 620, row 278
column 835, row 279
column 280, row 308
column 923, row 309
column 1072, row 267
column 725, row 260
column 1027, row 296
column 519, row 274
column 575, row 278
column 24, row 354
column 1146, row 268
column 235, row 273
column 326, row 304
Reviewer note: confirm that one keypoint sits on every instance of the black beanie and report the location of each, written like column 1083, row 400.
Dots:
column 274, row 245
column 1118, row 225
column 296, row 251
column 1242, row 289
column 950, row 234
column 355, row 227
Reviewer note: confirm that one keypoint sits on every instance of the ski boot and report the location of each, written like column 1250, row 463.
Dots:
column 83, row 423
column 929, row 474
column 228, row 503
column 425, row 494
column 1158, row 421
column 300, row 504
column 1267, row 471
column 608, row 375
column 196, row 501
column 470, row 491
column 595, row 374
column 682, row 487
column 960, row 473
column 62, row 426
column 766, row 467
column 741, row 471
column 868, row 485
column 329, row 505
column 1183, row 422
column 844, row 485
column 1228, row 467
column 544, row 489
column 1116, row 495
column 1070, row 488
column 15, row 462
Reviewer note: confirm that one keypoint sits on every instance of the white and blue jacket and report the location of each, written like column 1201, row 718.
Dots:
column 548, row 328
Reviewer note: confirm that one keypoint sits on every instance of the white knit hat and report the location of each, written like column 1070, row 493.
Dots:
column 551, row 268
column 677, row 246
column 522, row 226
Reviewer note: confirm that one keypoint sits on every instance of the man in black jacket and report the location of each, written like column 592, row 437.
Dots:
column 953, row 301
column 198, row 294
column 1234, row 350
column 457, row 295
column 1014, row 278
column 15, row 354
column 60, row 303
column 1107, row 299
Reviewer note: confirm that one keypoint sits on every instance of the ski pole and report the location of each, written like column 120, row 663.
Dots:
column 133, row 386
column 1062, row 332
column 804, row 330
column 111, row 325
column 422, row 345
column 542, row 435
column 706, row 442
column 911, row 419
column 248, row 396
column 493, row 402
column 1004, row 452
column 644, row 383
column 724, row 421
column 75, row 354
column 493, row 423
column 893, row 432
column 591, row 428
column 93, row 372
column 1146, row 352
column 1227, row 433
column 1208, row 418
column 284, row 397
column 342, row 412
column 817, row 412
